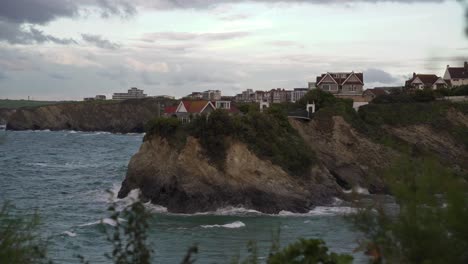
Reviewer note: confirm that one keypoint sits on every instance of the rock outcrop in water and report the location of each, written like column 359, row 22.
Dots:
column 112, row 116
column 184, row 180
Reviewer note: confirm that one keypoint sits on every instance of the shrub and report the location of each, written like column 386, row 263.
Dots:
column 321, row 99
column 20, row 241
column 164, row 127
column 459, row 90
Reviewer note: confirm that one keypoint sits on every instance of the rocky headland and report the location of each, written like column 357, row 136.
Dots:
column 127, row 116
column 5, row 114
column 349, row 151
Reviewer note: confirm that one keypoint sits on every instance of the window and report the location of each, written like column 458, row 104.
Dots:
column 326, row 87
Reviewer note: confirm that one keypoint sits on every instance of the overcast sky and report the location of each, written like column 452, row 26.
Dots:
column 69, row 49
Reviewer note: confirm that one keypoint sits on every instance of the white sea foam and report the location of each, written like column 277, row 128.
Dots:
column 236, row 224
column 69, row 233
column 322, row 211
column 357, row 189
column 237, row 211
column 154, row 208
column 105, row 221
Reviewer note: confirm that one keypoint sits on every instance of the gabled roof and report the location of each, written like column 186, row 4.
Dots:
column 458, row 72
column 340, row 80
column 359, row 76
column 195, row 106
column 170, row 109
column 321, row 78
column 376, row 91
column 426, row 79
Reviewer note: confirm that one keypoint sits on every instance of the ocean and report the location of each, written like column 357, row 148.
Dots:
column 65, row 177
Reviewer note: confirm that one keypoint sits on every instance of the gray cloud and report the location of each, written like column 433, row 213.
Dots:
column 235, row 17
column 185, row 36
column 147, row 80
column 18, row 17
column 379, row 76
column 99, row 41
column 44, row 11
column 58, row 76
column 201, row 4
column 17, row 34
column 285, row 43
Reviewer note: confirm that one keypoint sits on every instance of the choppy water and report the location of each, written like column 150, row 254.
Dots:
column 65, row 175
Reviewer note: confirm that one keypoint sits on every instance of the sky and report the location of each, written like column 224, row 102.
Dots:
column 70, row 49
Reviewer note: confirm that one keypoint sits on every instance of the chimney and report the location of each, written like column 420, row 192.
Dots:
column 466, row 66
column 448, row 66
column 414, row 74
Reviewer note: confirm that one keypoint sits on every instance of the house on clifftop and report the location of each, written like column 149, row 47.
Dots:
column 425, row 81
column 341, row 83
column 457, row 76
column 186, row 110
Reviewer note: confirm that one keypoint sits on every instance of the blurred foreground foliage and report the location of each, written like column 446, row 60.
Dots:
column 20, row 241
column 429, row 223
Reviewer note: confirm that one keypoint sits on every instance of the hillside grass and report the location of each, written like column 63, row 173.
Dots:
column 13, row 104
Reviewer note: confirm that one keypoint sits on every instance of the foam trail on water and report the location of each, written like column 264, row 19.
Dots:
column 105, row 221
column 239, row 211
column 69, row 233
column 236, row 224
column 323, row 211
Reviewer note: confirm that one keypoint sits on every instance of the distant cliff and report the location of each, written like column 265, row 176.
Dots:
column 5, row 114
column 112, row 116
column 349, row 151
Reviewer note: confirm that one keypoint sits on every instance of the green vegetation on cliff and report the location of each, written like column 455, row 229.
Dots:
column 13, row 104
column 269, row 135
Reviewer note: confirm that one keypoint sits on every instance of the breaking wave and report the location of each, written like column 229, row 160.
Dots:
column 236, row 224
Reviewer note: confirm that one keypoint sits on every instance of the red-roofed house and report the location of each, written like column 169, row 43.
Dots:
column 422, row 81
column 457, row 75
column 188, row 109
column 341, row 83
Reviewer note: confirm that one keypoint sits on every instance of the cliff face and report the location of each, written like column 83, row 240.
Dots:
column 5, row 115
column 121, row 117
column 184, row 180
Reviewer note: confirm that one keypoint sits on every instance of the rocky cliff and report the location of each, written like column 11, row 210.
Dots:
column 185, row 181
column 112, row 116
column 5, row 114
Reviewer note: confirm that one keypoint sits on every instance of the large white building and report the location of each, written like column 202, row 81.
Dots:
column 133, row 93
column 211, row 95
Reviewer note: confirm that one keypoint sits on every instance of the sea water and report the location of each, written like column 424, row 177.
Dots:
column 65, row 176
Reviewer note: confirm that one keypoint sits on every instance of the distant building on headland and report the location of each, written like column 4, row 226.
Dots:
column 278, row 95
column 133, row 93
column 97, row 97
column 456, row 76
column 168, row 97
column 209, row 95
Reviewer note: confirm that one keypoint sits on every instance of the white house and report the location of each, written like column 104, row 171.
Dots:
column 457, row 75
